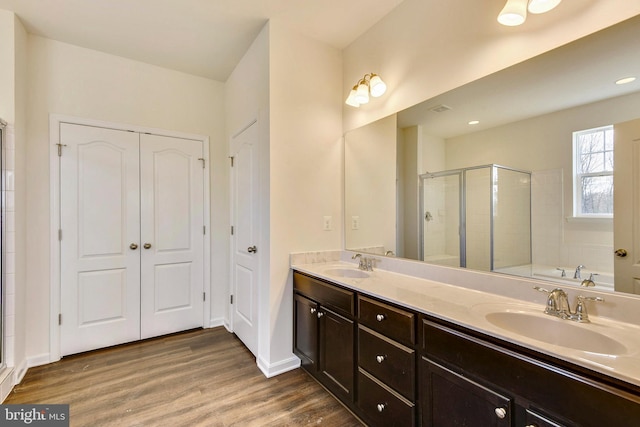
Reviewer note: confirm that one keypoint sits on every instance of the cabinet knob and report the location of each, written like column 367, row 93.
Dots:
column 313, row 310
column 380, row 317
column 147, row 245
column 320, row 314
column 501, row 413
column 381, row 406
column 133, row 246
column 380, row 358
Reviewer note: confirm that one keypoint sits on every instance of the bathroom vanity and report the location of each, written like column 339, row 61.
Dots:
column 405, row 351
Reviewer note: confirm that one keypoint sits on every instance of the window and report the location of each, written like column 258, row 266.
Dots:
column 593, row 172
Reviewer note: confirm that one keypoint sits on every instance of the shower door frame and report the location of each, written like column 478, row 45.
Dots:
column 461, row 207
column 462, row 190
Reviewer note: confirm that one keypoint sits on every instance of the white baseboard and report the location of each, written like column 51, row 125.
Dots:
column 272, row 369
column 6, row 382
column 19, row 372
column 39, row 360
column 218, row 321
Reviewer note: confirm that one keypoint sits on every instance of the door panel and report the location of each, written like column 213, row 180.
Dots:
column 626, row 228
column 245, row 262
column 172, row 236
column 100, row 217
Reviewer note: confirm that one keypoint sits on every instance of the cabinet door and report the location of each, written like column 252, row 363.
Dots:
column 305, row 337
column 450, row 399
column 337, row 353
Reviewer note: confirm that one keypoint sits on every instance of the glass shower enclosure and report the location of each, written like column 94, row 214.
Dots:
column 477, row 217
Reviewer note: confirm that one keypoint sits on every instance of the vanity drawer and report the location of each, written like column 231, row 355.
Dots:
column 389, row 361
column 393, row 322
column 381, row 406
column 325, row 293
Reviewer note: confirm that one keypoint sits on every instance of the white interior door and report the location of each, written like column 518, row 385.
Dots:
column 626, row 222
column 100, row 258
column 245, row 261
column 172, row 234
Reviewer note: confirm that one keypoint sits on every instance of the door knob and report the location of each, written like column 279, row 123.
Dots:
column 133, row 246
column 147, row 245
column 252, row 249
column 621, row 253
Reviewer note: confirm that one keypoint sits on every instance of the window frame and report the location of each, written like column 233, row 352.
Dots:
column 577, row 177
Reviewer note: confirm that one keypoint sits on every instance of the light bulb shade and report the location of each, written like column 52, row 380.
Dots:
column 351, row 99
column 362, row 93
column 377, row 86
column 542, row 6
column 513, row 13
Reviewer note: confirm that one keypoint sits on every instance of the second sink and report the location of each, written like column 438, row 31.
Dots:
column 559, row 332
column 351, row 273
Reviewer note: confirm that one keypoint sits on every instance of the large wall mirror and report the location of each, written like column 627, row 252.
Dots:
column 500, row 195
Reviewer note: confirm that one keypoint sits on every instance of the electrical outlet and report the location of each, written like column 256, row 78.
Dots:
column 328, row 223
column 355, row 222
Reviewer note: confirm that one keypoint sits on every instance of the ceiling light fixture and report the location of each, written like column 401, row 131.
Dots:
column 370, row 84
column 625, row 80
column 514, row 12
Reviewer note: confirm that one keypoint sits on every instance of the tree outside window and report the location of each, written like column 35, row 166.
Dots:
column 593, row 172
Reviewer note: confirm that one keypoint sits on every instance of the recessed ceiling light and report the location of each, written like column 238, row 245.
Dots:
column 474, row 122
column 625, row 80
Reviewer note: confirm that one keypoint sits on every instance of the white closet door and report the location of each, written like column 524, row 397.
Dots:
column 100, row 217
column 171, row 234
column 246, row 216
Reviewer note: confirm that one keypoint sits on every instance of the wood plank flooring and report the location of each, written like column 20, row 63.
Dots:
column 197, row 378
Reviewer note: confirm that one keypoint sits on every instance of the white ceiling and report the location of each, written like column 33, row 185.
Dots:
column 201, row 37
column 579, row 73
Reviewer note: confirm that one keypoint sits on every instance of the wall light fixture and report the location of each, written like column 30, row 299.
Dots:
column 515, row 11
column 370, row 84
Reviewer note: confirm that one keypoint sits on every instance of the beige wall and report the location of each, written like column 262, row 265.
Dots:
column 370, row 186
column 74, row 81
column 305, row 161
column 461, row 43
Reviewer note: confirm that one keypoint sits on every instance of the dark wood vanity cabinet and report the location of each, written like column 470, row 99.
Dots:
column 395, row 367
column 324, row 333
column 386, row 393
column 465, row 378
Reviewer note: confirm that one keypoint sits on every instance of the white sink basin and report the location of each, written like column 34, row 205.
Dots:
column 551, row 330
column 352, row 273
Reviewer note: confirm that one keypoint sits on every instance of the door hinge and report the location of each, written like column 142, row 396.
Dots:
column 60, row 148
column 59, row 234
column 204, row 296
column 202, row 162
column 231, row 158
column 59, row 318
column 231, row 298
column 204, row 229
column 232, row 230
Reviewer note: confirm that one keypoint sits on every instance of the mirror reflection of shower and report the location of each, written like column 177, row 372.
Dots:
column 477, row 217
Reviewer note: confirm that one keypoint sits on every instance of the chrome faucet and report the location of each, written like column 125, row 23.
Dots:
column 361, row 262
column 576, row 275
column 558, row 305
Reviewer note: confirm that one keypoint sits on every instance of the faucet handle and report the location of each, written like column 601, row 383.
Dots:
column 581, row 314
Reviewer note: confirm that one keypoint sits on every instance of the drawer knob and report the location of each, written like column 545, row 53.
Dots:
column 313, row 310
column 380, row 317
column 380, row 358
column 501, row 413
column 381, row 406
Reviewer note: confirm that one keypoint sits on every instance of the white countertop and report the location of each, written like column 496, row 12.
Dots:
column 469, row 307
